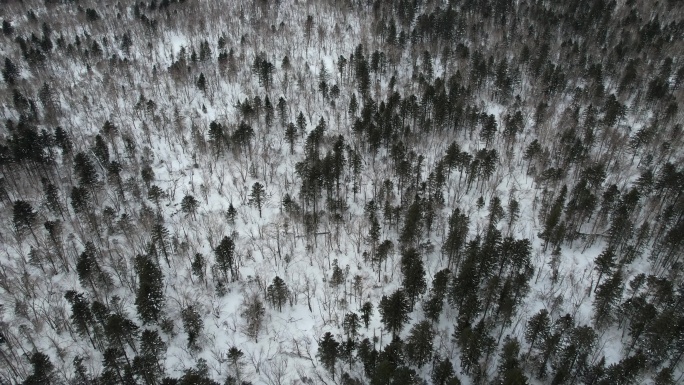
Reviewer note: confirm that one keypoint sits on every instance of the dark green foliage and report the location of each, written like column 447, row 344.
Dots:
column 351, row 325
column 43, row 370
column 149, row 298
column 277, row 293
column 443, row 373
column 414, row 275
column 253, row 312
column 328, row 352
column 538, row 328
column 419, row 343
column 189, row 205
column 23, row 216
column 85, row 171
column 435, row 302
column 81, row 316
column 10, row 72
column 366, row 313
column 394, row 311
column 457, row 233
column 510, row 371
column 193, row 325
column 225, row 257
column 148, row 365
column 257, row 196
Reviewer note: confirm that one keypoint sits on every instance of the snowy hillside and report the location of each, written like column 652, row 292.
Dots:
column 341, row 192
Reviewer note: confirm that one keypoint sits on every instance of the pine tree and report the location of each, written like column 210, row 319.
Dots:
column 328, row 352
column 235, row 358
column 414, row 275
column 189, row 205
column 85, row 171
column 434, row 304
column 225, row 257
column 412, row 228
column 24, row 218
column 419, row 343
column 81, row 316
column 193, row 325
column 148, row 364
column 253, row 313
column 149, row 297
column 160, row 237
column 607, row 296
column 201, row 83
column 351, row 325
column 443, row 373
column 258, row 196
column 394, row 311
column 456, row 236
column 604, row 264
column 43, row 370
column 11, row 72
column 538, row 328
column 277, row 293
column 510, row 371
column 366, row 313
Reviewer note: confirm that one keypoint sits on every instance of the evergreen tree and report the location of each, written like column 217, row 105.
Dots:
column 43, row 370
column 443, row 373
column 538, row 328
column 189, row 205
column 10, row 72
column 149, row 298
column 366, row 313
column 434, row 304
column 81, row 316
column 608, row 295
column 148, row 364
column 328, row 350
column 24, row 218
column 351, row 325
column 510, row 371
column 253, row 312
column 225, row 257
column 419, row 343
column 414, row 275
column 277, row 293
column 160, row 237
column 258, row 196
column 85, row 171
column 193, row 325
column 201, row 83
column 604, row 263
column 394, row 311
column 411, row 230
column 456, row 236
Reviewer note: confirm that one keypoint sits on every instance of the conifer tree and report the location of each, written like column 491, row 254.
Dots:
column 328, row 350
column 24, row 218
column 277, row 293
column 394, row 311
column 366, row 313
column 419, row 343
column 43, row 370
column 189, row 205
column 193, row 325
column 257, row 196
column 147, row 365
column 414, row 275
column 351, row 325
column 253, row 312
column 149, row 297
column 225, row 257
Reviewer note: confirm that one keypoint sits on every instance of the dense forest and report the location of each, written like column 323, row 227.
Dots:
column 341, row 192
